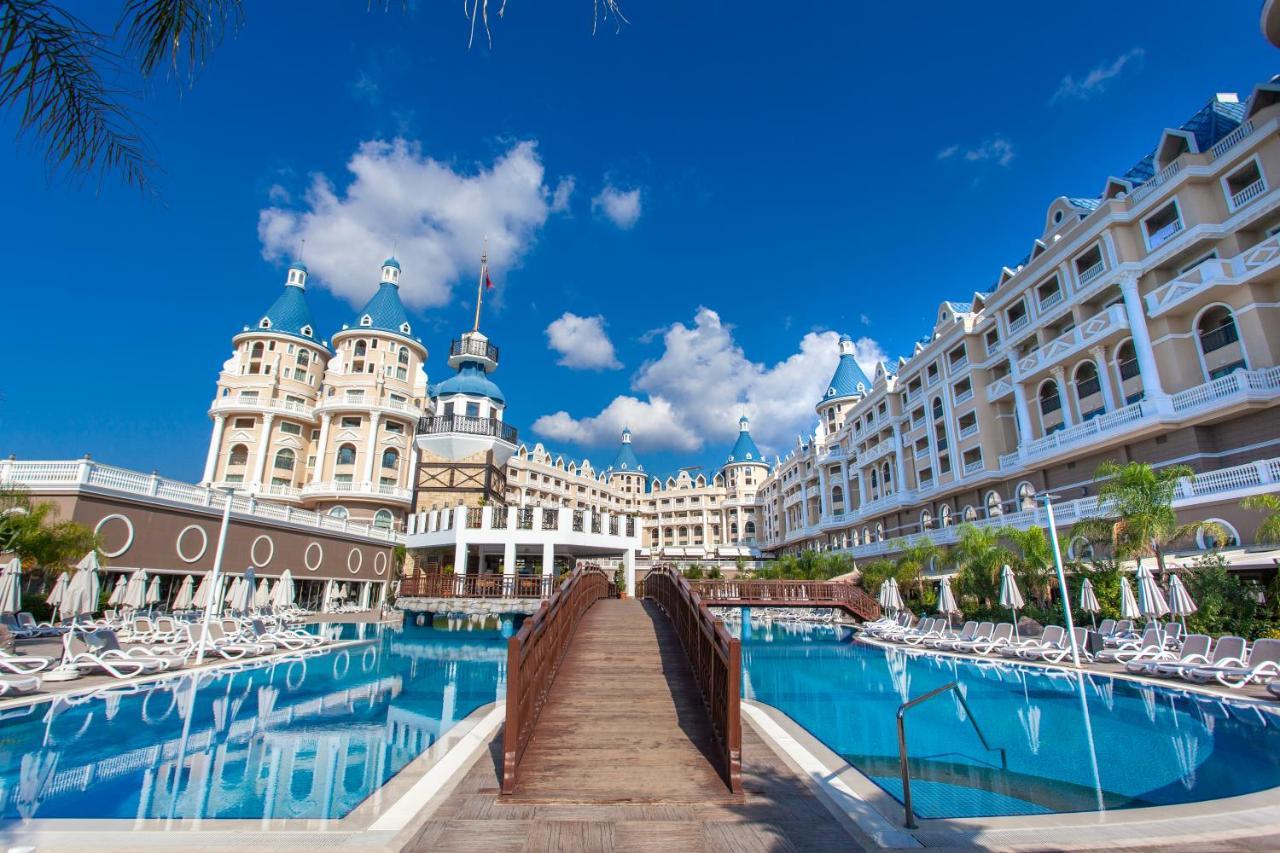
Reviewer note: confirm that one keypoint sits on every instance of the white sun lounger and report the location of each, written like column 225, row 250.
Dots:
column 18, row 685
column 1194, row 652
column 1262, row 666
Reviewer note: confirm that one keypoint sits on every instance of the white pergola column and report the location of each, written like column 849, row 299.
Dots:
column 629, row 569
column 264, row 447
column 1099, row 354
column 548, row 559
column 373, row 448
column 215, row 444
column 317, row 474
column 1151, row 385
column 509, row 565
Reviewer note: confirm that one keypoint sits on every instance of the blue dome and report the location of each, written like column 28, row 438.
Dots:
column 289, row 315
column 391, row 262
column 626, row 459
column 744, row 449
column 385, row 311
column 470, row 379
column 848, row 376
column 298, row 265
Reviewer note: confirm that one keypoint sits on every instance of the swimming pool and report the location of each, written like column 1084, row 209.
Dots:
column 1073, row 743
column 300, row 738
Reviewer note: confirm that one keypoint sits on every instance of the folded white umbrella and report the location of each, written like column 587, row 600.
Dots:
column 241, row 599
column 1150, row 599
column 11, row 587
column 1128, row 604
column 82, row 590
column 262, row 597
column 89, row 562
column 117, row 592
column 282, row 595
column 203, row 592
column 153, row 591
column 946, row 598
column 230, row 594
column 186, row 594
column 59, row 589
column 1180, row 603
column 1089, row 601
column 895, row 596
column 135, row 592
column 1010, row 595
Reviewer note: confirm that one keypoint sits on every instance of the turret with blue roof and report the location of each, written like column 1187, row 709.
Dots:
column 744, row 449
column 626, row 461
column 848, row 380
column 290, row 314
column 385, row 312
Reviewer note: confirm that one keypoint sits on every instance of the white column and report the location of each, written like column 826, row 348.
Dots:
column 629, row 571
column 373, row 448
column 824, row 505
column 862, row 487
column 900, row 466
column 1060, row 377
column 844, row 478
column 548, row 559
column 264, row 446
column 1020, row 410
column 215, row 444
column 1104, row 377
column 460, row 563
column 509, row 563
column 1151, row 385
column 317, row 473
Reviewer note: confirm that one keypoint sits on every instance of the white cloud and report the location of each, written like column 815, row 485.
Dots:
column 560, row 198
column 436, row 215
column 868, row 354
column 1096, row 81
column 997, row 150
column 582, row 342
column 621, row 207
column 694, row 392
column 864, row 319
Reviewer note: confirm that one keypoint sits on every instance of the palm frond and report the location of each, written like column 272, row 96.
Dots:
column 177, row 31
column 51, row 70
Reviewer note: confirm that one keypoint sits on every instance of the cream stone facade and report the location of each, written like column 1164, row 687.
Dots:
column 323, row 425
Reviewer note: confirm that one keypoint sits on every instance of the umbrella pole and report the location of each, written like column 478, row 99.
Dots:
column 1016, row 638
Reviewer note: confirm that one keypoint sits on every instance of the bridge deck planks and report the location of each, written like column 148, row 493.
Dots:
column 624, row 722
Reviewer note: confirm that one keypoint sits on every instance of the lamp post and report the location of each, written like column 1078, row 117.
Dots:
column 214, row 598
column 1062, row 578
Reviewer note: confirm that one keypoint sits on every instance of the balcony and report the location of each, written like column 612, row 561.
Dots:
column 1156, row 181
column 971, row 429
column 999, row 388
column 1087, row 334
column 1019, row 324
column 473, row 347
column 1086, row 277
column 964, row 396
column 341, row 488
column 973, row 467
column 959, row 364
column 1051, row 300
column 240, row 403
column 1244, row 267
column 1248, row 194
column 489, row 427
column 1229, row 141
column 1163, row 234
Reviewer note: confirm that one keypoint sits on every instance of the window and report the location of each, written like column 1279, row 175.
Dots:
column 351, row 422
column 1089, row 265
column 1049, row 293
column 289, row 428
column 1127, row 360
column 402, row 367
column 394, row 427
column 1080, row 549
column 1050, row 400
column 993, row 341
column 1244, row 185
column 1087, row 383
column 969, row 513
column 1216, row 329
column 1017, row 315
column 944, row 515
column 390, row 458
column 285, row 459
column 1026, row 496
column 233, row 478
column 339, row 512
column 995, row 506
column 347, row 454
column 243, row 423
column 1162, row 225
column 473, row 410
column 937, row 408
column 383, row 519
column 239, row 455
column 1216, row 533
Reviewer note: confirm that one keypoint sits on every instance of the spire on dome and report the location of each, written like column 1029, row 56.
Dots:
column 290, row 314
column 848, row 380
column 391, row 271
column 626, row 460
column 744, row 449
column 385, row 312
column 297, row 276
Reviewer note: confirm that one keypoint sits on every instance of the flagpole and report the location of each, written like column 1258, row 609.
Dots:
column 484, row 264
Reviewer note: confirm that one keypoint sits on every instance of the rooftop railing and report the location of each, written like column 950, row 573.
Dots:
column 491, row 427
column 471, row 346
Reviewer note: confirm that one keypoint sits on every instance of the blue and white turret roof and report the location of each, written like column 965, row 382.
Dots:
column 290, row 314
column 848, row 380
column 626, row 459
column 385, row 312
column 470, row 379
column 744, row 449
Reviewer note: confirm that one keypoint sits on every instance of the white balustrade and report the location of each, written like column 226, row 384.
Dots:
column 1247, row 194
column 1085, row 335
column 1214, row 273
column 1229, row 141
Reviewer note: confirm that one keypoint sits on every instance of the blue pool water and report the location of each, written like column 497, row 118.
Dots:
column 302, row 738
column 1074, row 743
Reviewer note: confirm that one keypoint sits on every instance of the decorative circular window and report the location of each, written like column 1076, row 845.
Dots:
column 354, row 556
column 255, row 551
column 182, row 544
column 110, row 535
column 313, row 563
column 1057, row 217
column 380, row 563
column 1209, row 539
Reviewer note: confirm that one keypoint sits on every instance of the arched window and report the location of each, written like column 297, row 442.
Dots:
column 866, row 534
column 944, row 515
column 360, row 349
column 304, row 358
column 285, row 459
column 879, row 531
column 1080, row 549
column 1050, row 400
column 854, row 534
column 403, row 358
column 874, row 479
column 339, row 512
column 750, row 528
column 1087, row 385
column 383, row 519
column 995, row 505
column 1026, row 496
column 1209, row 539
column 837, row 495
column 256, row 351
column 402, row 364
column 1219, row 339
column 390, row 458
column 937, row 408
column 926, row 520
column 347, row 454
column 1127, row 366
column 733, row 530
column 239, row 455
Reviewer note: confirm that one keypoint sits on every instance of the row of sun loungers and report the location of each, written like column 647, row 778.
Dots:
column 1157, row 652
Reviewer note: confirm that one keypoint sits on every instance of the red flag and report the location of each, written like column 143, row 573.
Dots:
column 488, row 285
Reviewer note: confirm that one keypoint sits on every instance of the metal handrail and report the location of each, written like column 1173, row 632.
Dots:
column 902, row 742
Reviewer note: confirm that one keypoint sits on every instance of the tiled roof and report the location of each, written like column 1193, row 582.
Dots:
column 385, row 311
column 626, row 460
column 744, row 449
column 846, row 379
column 290, row 314
column 470, row 379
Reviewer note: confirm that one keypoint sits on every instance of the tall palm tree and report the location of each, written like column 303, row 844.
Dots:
column 980, row 557
column 913, row 560
column 1032, row 561
column 1138, row 500
column 1269, row 529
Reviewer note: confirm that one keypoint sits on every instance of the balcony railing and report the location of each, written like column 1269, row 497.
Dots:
column 263, row 404
column 1213, row 273
column 491, row 427
column 971, row 429
column 1218, row 338
column 1086, row 276
column 1164, row 234
column 1086, row 334
column 1247, row 194
column 1228, row 142
column 472, row 346
column 973, row 467
column 1019, row 324
column 964, row 396
column 1047, row 302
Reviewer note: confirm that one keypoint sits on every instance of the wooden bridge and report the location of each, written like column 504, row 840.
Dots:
column 849, row 597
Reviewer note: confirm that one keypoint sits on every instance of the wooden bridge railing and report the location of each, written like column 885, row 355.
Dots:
column 448, row 585
column 534, row 655
column 786, row 593
column 715, row 658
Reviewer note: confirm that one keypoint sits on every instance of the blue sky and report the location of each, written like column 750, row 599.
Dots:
column 724, row 186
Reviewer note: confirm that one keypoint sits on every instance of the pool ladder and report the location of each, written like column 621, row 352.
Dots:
column 902, row 742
